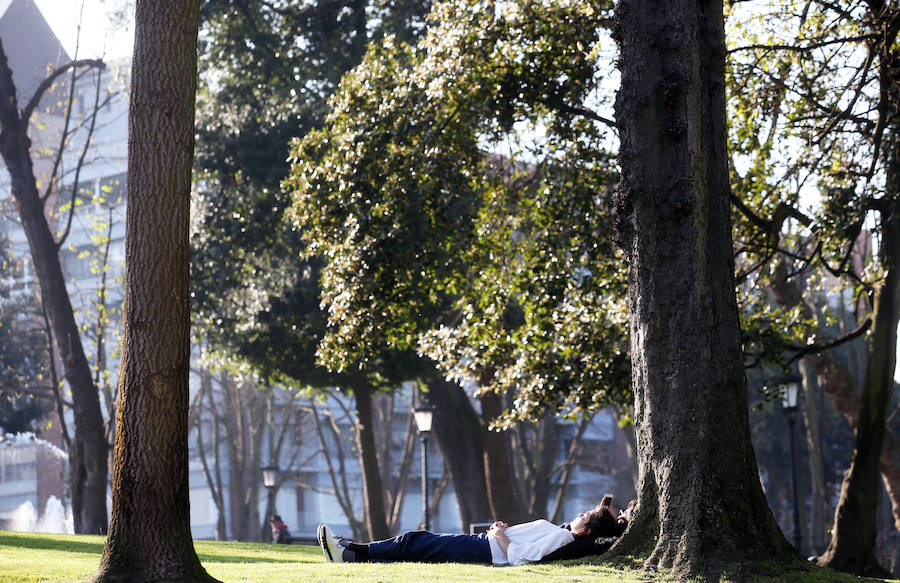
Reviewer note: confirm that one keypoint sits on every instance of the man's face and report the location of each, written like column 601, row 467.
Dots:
column 579, row 523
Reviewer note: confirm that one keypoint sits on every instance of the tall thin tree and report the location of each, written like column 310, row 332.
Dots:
column 150, row 531
column 88, row 454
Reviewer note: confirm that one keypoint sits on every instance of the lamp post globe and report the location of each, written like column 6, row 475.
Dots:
column 789, row 387
column 424, row 415
column 270, row 475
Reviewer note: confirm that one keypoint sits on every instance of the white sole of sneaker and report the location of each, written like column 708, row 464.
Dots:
column 320, row 536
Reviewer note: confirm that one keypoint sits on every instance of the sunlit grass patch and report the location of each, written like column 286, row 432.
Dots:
column 56, row 558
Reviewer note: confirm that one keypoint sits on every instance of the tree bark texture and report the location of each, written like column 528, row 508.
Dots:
column 88, row 470
column 457, row 430
column 150, row 531
column 534, row 449
column 503, row 490
column 243, row 422
column 373, row 488
column 820, row 508
column 700, row 503
column 852, row 547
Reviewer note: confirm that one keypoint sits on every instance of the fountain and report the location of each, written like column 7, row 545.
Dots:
column 24, row 518
column 55, row 519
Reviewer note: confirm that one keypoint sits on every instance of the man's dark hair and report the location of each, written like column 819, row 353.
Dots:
column 603, row 524
column 604, row 528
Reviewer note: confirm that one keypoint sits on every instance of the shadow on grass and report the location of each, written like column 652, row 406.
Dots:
column 68, row 545
column 208, row 558
column 51, row 544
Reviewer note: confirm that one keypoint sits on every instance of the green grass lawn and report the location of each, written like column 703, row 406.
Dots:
column 32, row 558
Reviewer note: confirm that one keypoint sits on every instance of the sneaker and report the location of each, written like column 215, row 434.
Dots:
column 330, row 548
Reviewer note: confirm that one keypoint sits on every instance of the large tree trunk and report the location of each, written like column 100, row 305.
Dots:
column 503, row 490
column 700, row 503
column 150, row 531
column 373, row 488
column 820, row 508
column 547, row 435
column 457, row 430
column 244, row 421
column 88, row 470
column 852, row 547
column 890, row 451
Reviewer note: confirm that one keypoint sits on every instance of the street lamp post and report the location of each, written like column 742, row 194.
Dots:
column 789, row 387
column 424, row 415
column 270, row 480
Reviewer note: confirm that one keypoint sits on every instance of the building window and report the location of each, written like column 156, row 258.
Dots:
column 18, row 464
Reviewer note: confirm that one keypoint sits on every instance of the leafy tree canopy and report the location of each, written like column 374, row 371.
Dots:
column 458, row 195
column 267, row 68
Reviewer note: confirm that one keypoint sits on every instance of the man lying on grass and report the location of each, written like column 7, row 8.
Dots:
column 591, row 532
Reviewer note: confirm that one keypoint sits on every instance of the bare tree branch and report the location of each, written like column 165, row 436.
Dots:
column 80, row 165
column 803, row 48
column 32, row 104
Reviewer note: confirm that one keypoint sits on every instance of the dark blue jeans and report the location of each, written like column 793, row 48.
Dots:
column 426, row 547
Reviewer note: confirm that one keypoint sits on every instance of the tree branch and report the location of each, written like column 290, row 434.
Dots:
column 802, row 351
column 10, row 123
column 564, row 107
column 48, row 82
column 764, row 224
column 804, row 48
column 80, row 165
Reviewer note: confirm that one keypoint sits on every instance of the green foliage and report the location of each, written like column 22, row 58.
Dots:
column 266, row 70
column 369, row 195
column 251, row 59
column 770, row 331
column 459, row 196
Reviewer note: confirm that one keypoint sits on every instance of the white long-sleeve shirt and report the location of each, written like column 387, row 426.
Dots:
column 529, row 542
